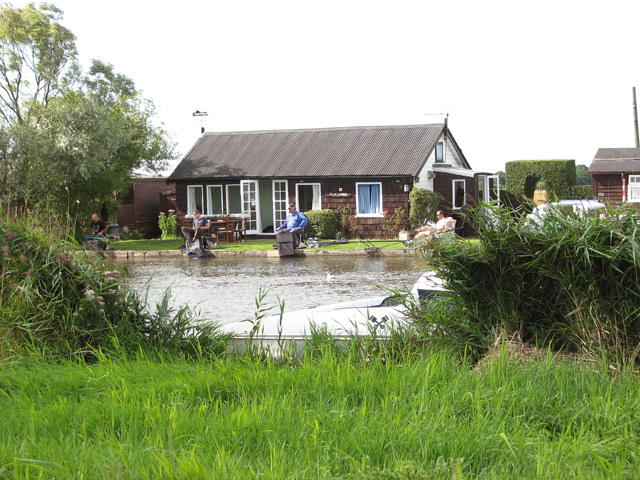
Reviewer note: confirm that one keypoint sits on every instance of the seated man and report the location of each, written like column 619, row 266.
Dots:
column 431, row 229
column 200, row 224
column 98, row 229
column 295, row 223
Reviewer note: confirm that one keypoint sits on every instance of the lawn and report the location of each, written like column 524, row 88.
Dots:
column 147, row 245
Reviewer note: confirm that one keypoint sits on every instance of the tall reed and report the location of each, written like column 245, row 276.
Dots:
column 572, row 283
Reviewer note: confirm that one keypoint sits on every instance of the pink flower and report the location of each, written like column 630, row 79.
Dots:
column 385, row 212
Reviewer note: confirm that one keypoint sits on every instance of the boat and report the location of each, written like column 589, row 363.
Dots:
column 372, row 316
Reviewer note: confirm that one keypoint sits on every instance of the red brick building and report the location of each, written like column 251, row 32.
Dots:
column 147, row 197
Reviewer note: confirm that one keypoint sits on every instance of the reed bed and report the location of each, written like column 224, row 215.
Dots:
column 165, row 417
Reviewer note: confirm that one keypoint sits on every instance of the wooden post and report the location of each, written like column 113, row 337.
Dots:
column 635, row 117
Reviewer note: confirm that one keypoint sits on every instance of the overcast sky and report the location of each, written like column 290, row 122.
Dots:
column 534, row 80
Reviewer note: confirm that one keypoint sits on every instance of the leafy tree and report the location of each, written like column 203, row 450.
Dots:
column 65, row 135
column 582, row 177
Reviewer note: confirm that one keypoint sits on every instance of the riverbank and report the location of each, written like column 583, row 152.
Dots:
column 331, row 415
column 253, row 248
column 300, row 253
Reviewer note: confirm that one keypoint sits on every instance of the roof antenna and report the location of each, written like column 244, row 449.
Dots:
column 446, row 118
column 200, row 114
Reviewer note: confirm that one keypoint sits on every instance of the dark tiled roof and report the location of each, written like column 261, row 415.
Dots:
column 322, row 152
column 616, row 160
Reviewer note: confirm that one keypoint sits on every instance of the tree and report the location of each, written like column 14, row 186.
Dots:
column 582, row 177
column 64, row 135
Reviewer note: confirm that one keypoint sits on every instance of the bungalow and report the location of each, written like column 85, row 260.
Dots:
column 365, row 171
column 616, row 175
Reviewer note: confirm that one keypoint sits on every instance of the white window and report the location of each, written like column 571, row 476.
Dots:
column 308, row 197
column 459, row 192
column 439, row 152
column 280, row 200
column 369, row 199
column 634, row 188
column 194, row 199
column 214, row 200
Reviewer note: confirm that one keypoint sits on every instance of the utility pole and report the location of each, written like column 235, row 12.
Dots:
column 635, row 117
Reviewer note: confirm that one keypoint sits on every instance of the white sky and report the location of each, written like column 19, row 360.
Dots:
column 534, row 80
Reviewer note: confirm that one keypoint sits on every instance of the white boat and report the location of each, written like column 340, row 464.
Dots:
column 341, row 320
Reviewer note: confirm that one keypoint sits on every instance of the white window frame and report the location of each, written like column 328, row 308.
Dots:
column 454, row 190
column 190, row 205
column 210, row 211
column 368, row 215
column 283, row 211
column 633, row 189
column 313, row 207
column 435, row 152
column 228, row 197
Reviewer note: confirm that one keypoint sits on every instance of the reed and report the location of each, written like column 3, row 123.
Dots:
column 327, row 416
column 573, row 283
column 55, row 297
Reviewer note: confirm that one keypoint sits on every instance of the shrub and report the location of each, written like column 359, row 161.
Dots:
column 53, row 297
column 571, row 283
column 168, row 225
column 580, row 192
column 423, row 204
column 322, row 224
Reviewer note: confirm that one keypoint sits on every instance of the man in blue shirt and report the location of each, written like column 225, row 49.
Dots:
column 295, row 223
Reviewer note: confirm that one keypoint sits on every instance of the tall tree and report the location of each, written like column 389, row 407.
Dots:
column 64, row 135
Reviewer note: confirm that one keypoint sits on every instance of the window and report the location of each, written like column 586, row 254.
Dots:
column 459, row 191
column 214, row 200
column 439, row 152
column 194, row 199
column 280, row 202
column 369, row 199
column 308, row 197
column 634, row 188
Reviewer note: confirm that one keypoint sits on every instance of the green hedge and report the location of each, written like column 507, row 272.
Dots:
column 581, row 192
column 559, row 177
column 423, row 204
column 322, row 224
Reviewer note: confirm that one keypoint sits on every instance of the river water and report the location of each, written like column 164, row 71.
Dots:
column 225, row 289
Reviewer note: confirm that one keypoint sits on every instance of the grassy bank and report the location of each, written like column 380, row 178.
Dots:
column 325, row 418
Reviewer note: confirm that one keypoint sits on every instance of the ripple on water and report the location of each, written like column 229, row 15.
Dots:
column 225, row 289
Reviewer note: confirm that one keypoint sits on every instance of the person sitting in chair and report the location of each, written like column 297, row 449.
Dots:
column 294, row 223
column 200, row 224
column 431, row 229
column 98, row 229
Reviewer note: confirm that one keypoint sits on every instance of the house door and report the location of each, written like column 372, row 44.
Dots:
column 280, row 200
column 489, row 188
column 250, row 205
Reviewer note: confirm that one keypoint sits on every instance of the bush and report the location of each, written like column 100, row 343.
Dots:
column 423, row 204
column 581, row 192
column 571, row 284
column 54, row 298
column 322, row 224
column 168, row 225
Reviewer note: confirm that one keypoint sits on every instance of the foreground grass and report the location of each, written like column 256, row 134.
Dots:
column 323, row 418
column 157, row 244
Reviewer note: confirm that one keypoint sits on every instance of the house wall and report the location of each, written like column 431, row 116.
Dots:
column 607, row 187
column 142, row 204
column 336, row 194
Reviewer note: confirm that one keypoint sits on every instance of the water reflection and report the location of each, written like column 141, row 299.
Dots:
column 225, row 289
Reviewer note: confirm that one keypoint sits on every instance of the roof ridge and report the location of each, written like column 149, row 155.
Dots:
column 324, row 129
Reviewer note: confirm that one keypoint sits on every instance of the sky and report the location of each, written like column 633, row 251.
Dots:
column 519, row 80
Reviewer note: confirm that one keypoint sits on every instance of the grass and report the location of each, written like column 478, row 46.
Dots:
column 323, row 418
column 157, row 245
